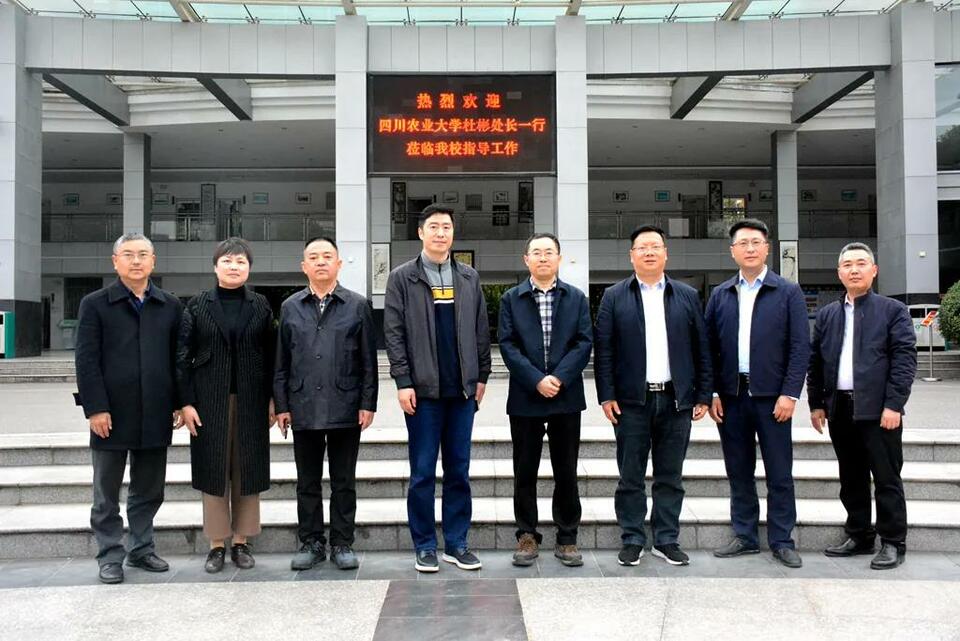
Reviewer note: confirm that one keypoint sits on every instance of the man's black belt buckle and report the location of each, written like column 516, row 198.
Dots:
column 658, row 387
column 744, row 381
column 846, row 393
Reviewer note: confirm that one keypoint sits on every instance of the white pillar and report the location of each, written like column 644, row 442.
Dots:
column 907, row 233
column 786, row 197
column 136, row 183
column 545, row 204
column 353, row 219
column 380, row 225
column 572, row 226
column 21, row 103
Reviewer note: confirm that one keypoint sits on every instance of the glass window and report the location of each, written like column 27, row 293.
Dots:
column 700, row 10
column 601, row 13
column 322, row 14
column 221, row 12
column 498, row 15
column 539, row 15
column 156, row 9
column 948, row 117
column 647, row 11
column 276, row 12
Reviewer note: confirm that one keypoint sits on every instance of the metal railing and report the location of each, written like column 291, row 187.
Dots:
column 474, row 225
column 822, row 223
column 254, row 227
column 80, row 228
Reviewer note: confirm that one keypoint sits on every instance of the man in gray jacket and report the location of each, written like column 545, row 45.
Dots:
column 325, row 387
column 438, row 343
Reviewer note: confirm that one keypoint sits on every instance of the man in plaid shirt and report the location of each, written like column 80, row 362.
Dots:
column 545, row 340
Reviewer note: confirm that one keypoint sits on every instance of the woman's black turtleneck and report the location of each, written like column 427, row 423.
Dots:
column 231, row 300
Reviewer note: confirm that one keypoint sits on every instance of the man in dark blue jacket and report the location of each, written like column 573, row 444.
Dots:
column 760, row 341
column 863, row 363
column 652, row 366
column 545, row 340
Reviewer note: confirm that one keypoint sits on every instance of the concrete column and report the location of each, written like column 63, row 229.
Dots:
column 353, row 218
column 380, row 225
column 136, row 183
column 785, row 202
column 572, row 205
column 907, row 159
column 545, row 204
column 21, row 103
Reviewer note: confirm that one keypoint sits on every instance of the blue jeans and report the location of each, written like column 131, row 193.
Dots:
column 657, row 425
column 747, row 419
column 440, row 425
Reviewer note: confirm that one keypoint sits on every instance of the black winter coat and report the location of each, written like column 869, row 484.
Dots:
column 205, row 359
column 125, row 365
column 326, row 367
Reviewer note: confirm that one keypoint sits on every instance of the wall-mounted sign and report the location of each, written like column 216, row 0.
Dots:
column 461, row 124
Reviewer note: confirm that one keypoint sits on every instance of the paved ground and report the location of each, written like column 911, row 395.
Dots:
column 386, row 600
column 48, row 407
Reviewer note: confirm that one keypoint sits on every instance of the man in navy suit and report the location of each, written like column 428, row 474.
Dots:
column 760, row 341
column 652, row 365
column 863, row 363
column 545, row 340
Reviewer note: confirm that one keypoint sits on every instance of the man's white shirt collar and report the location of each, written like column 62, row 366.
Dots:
column 660, row 284
column 743, row 280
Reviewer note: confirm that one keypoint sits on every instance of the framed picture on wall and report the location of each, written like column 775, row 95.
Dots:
column 621, row 196
column 304, row 198
column 808, row 195
column 114, row 199
column 450, row 197
column 261, row 198
column 160, row 199
column 848, row 195
column 464, row 256
column 501, row 196
column 765, row 195
column 525, row 196
column 661, row 196
column 473, row 202
column 331, row 201
column 71, row 200
column 380, row 267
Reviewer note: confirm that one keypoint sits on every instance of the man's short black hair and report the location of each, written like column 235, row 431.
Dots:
column 538, row 236
column 643, row 229
column 233, row 246
column 749, row 223
column 431, row 210
column 325, row 239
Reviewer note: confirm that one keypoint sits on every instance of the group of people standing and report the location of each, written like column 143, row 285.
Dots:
column 221, row 367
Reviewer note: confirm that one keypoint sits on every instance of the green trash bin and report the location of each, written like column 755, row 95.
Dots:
column 7, row 335
column 68, row 333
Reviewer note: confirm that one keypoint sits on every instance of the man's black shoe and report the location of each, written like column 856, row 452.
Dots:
column 890, row 556
column 215, row 560
column 788, row 557
column 736, row 547
column 242, row 556
column 672, row 554
column 111, row 573
column 344, row 557
column 463, row 559
column 149, row 562
column 630, row 554
column 427, row 561
column 850, row 548
column 310, row 554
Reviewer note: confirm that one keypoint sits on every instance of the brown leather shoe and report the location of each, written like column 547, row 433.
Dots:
column 569, row 555
column 527, row 550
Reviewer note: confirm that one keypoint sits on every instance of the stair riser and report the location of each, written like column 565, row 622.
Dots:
column 483, row 536
column 480, row 488
column 283, row 452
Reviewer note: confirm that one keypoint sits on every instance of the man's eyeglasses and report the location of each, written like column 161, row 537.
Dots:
column 652, row 249
column 129, row 256
column 755, row 243
column 542, row 254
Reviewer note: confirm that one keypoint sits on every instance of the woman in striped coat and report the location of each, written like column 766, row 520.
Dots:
column 225, row 372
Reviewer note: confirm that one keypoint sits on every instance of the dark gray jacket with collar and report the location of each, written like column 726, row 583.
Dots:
column 410, row 332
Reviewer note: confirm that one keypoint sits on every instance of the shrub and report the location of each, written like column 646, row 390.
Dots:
column 950, row 315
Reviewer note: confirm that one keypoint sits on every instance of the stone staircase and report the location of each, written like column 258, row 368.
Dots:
column 45, row 493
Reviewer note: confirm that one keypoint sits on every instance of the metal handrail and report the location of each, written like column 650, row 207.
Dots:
column 471, row 225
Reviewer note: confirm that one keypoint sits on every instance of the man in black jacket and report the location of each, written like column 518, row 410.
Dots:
column 126, row 364
column 325, row 388
column 545, row 340
column 652, row 366
column 438, row 343
column 862, row 366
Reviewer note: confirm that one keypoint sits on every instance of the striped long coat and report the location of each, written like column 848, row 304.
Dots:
column 204, row 361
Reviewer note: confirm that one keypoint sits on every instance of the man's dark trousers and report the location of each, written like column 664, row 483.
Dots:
column 148, row 471
column 747, row 419
column 440, row 426
column 657, row 423
column 343, row 446
column 863, row 447
column 564, row 434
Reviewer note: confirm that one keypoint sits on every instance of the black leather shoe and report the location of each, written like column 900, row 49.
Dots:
column 111, row 573
column 889, row 557
column 149, row 562
column 788, row 557
column 850, row 548
column 736, row 547
column 310, row 554
column 242, row 556
column 215, row 560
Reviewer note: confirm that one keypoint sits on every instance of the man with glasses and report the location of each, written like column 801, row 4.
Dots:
column 126, row 364
column 545, row 340
column 760, row 341
column 652, row 366
column 438, row 343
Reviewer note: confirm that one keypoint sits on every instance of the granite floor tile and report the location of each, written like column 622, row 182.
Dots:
column 431, row 603
column 326, row 571
column 190, row 570
column 29, row 573
column 269, row 567
column 387, row 566
column 549, row 567
column 77, row 571
column 498, row 564
column 606, row 560
column 451, row 628
column 489, row 587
